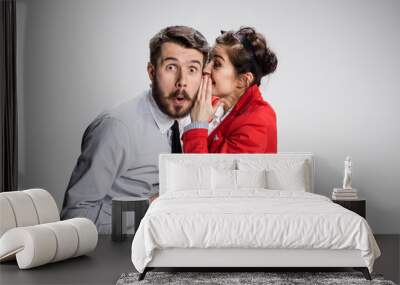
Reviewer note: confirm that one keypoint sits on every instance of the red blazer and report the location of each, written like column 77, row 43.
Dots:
column 249, row 128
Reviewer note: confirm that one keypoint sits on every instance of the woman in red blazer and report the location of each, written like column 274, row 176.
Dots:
column 230, row 115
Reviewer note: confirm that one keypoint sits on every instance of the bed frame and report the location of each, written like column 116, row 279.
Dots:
column 250, row 259
column 235, row 259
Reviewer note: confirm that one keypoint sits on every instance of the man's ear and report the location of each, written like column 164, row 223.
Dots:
column 245, row 80
column 151, row 71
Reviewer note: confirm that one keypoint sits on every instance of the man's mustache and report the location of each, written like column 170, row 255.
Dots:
column 178, row 92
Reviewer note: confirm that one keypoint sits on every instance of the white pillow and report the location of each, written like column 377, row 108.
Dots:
column 288, row 177
column 227, row 179
column 251, row 178
column 223, row 179
column 282, row 174
column 185, row 177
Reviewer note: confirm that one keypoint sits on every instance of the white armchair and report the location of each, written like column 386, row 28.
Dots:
column 31, row 231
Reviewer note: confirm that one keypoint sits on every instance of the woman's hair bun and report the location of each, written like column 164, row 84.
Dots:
column 264, row 56
column 248, row 51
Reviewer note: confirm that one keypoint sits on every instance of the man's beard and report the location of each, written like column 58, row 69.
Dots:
column 164, row 103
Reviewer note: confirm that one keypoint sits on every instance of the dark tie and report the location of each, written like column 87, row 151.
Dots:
column 175, row 138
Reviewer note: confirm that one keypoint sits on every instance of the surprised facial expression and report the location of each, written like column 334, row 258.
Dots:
column 176, row 79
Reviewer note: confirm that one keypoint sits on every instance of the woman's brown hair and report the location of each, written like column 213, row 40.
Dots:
column 248, row 51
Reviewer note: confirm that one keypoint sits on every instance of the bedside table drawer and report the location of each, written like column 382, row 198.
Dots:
column 357, row 206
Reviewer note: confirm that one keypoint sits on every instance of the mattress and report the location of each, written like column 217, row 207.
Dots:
column 250, row 219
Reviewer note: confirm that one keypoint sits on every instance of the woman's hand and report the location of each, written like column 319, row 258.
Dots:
column 203, row 110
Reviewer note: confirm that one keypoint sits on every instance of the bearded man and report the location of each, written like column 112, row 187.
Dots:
column 120, row 148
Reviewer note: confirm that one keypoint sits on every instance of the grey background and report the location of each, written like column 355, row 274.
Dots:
column 335, row 92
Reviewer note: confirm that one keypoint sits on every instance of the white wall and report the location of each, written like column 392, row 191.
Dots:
column 336, row 90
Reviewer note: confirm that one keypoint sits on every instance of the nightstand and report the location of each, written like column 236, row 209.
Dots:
column 358, row 206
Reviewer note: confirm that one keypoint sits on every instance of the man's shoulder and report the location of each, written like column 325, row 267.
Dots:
column 129, row 113
column 129, row 110
column 105, row 129
column 120, row 118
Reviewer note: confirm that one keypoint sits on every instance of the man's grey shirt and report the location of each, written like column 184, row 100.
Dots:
column 119, row 157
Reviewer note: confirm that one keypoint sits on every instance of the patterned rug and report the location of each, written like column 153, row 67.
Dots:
column 243, row 278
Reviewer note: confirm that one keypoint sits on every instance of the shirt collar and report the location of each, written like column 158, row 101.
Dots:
column 219, row 114
column 163, row 121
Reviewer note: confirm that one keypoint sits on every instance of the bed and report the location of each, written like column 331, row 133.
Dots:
column 247, row 211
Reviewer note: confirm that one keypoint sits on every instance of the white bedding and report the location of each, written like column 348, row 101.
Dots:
column 251, row 218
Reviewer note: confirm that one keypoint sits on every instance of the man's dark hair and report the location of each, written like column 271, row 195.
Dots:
column 185, row 36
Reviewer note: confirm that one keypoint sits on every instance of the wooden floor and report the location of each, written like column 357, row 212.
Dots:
column 110, row 260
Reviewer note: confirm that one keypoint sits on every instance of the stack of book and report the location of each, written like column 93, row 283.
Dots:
column 344, row 194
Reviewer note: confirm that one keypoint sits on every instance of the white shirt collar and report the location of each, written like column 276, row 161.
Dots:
column 163, row 121
column 219, row 114
column 218, row 117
